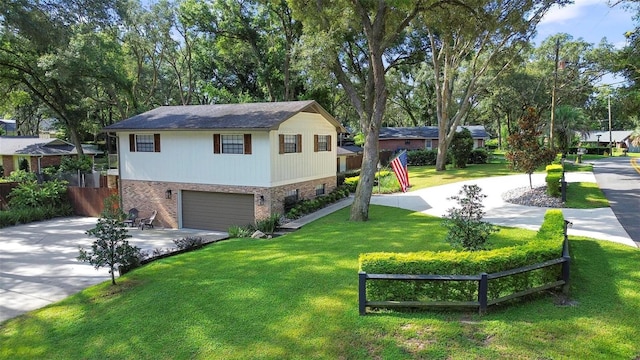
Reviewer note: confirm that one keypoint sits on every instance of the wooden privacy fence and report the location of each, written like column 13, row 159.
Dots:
column 5, row 190
column 89, row 201
column 483, row 284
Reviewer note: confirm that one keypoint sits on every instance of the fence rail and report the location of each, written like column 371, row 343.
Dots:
column 483, row 284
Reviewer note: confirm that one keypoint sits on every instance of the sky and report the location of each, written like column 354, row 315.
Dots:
column 590, row 20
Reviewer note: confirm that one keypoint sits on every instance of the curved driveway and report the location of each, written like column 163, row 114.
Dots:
column 620, row 182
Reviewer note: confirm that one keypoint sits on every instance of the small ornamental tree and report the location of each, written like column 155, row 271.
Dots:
column 465, row 225
column 111, row 249
column 461, row 148
column 526, row 153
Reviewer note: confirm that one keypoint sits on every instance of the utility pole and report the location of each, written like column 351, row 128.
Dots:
column 553, row 94
column 610, row 139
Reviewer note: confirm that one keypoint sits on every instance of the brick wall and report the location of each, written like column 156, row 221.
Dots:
column 395, row 144
column 147, row 196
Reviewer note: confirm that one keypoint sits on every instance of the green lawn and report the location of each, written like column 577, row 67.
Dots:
column 295, row 297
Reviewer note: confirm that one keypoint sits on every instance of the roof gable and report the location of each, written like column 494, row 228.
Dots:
column 249, row 116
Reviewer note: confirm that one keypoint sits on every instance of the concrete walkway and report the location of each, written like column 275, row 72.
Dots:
column 38, row 263
column 595, row 223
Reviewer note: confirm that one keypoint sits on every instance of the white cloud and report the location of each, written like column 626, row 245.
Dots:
column 568, row 12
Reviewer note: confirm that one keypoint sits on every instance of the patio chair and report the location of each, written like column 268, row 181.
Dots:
column 148, row 222
column 132, row 217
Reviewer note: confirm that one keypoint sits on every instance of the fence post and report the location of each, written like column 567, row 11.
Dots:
column 566, row 265
column 362, row 292
column 483, row 287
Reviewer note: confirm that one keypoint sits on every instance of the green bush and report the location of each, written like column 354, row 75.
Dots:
column 552, row 227
column 304, row 207
column 466, row 263
column 27, row 215
column 21, row 176
column 421, row 157
column 30, row 194
column 479, row 156
column 554, row 174
column 236, row 231
column 269, row 225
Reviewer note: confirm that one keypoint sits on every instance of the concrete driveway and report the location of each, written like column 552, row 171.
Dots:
column 38, row 263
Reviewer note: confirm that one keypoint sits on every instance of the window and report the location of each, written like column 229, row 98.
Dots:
column 232, row 144
column 291, row 197
column 320, row 189
column 290, row 143
column 322, row 143
column 428, row 144
column 144, row 142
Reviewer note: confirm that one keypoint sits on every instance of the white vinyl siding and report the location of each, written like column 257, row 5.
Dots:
column 187, row 157
column 307, row 164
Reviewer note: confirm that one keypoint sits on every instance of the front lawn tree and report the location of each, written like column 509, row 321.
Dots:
column 470, row 48
column 526, row 152
column 464, row 223
column 357, row 42
column 111, row 248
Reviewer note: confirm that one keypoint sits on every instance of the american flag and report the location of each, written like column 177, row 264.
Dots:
column 399, row 166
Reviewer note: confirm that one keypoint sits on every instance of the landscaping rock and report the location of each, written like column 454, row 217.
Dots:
column 258, row 235
column 532, row 197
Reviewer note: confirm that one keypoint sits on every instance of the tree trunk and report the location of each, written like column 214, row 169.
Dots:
column 370, row 158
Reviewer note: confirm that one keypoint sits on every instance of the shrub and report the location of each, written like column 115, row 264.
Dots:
column 304, row 207
column 32, row 194
column 465, row 225
column 421, row 157
column 84, row 164
column 236, row 231
column 21, row 176
column 552, row 227
column 461, row 147
column 554, row 174
column 478, row 156
column 189, row 242
column 548, row 246
column 269, row 225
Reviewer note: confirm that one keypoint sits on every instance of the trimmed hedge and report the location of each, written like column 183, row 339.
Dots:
column 554, row 174
column 466, row 263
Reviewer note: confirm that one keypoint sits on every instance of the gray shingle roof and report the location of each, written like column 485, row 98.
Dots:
column 427, row 132
column 617, row 136
column 348, row 150
column 265, row 116
column 23, row 145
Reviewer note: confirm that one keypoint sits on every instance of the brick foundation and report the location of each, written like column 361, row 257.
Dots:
column 147, row 196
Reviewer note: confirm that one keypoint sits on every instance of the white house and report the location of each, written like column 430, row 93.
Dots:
column 212, row 166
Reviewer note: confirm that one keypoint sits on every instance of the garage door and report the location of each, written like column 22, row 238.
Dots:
column 216, row 211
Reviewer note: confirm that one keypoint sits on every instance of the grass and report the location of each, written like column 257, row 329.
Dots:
column 295, row 297
column 585, row 195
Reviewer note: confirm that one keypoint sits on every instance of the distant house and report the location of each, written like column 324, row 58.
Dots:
column 349, row 158
column 213, row 166
column 37, row 152
column 619, row 138
column 423, row 137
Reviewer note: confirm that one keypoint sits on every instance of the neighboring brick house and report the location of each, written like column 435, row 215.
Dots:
column 38, row 152
column 213, row 166
column 423, row 137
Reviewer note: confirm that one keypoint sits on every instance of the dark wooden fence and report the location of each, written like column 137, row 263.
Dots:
column 89, row 201
column 5, row 190
column 483, row 284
